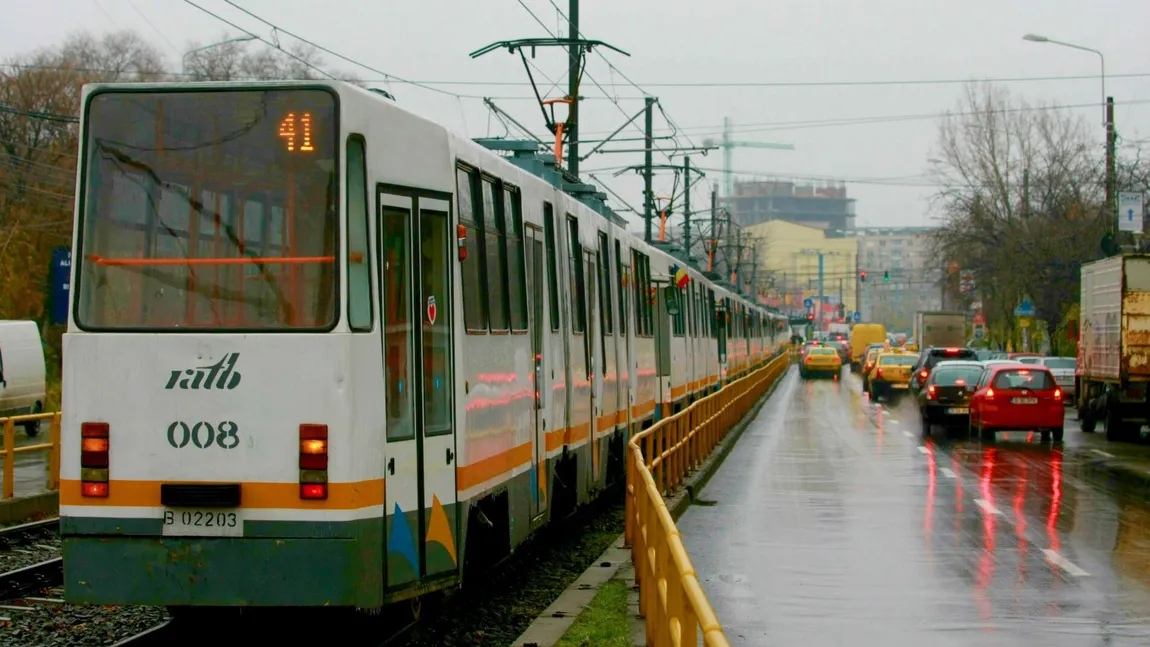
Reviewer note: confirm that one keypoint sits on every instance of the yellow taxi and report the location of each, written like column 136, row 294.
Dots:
column 821, row 360
column 890, row 375
column 868, row 364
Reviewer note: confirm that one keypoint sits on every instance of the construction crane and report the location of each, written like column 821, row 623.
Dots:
column 727, row 144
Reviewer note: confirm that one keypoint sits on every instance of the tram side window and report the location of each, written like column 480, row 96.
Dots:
column 644, row 322
column 359, row 310
column 622, row 290
column 552, row 264
column 495, row 232
column 579, row 305
column 606, row 303
column 516, row 278
column 473, row 270
column 714, row 325
column 677, row 320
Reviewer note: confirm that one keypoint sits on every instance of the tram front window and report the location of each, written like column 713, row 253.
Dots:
column 209, row 210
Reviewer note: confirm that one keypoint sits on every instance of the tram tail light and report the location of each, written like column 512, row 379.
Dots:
column 94, row 446
column 312, row 461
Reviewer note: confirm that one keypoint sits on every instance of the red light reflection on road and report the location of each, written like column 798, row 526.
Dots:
column 928, row 519
column 1055, row 498
column 986, row 564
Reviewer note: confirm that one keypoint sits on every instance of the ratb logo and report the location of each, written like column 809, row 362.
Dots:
column 221, row 375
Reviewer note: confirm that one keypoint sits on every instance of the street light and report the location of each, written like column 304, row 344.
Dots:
column 241, row 39
column 1035, row 38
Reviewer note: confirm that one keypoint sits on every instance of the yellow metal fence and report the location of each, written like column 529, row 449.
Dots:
column 8, row 453
column 658, row 460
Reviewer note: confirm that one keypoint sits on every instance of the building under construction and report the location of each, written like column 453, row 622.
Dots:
column 822, row 205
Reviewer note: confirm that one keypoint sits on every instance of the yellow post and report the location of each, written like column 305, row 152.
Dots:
column 9, row 458
column 54, row 454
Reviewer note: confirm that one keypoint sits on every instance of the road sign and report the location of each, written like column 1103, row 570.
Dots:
column 61, row 276
column 1130, row 211
column 858, row 317
column 966, row 282
column 979, row 319
column 1024, row 309
column 808, row 302
column 979, row 331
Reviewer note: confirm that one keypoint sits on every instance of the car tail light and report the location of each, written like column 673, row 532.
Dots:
column 1057, row 394
column 312, row 461
column 990, row 394
column 952, row 351
column 879, row 373
column 1024, row 372
column 94, row 445
column 922, row 374
column 930, row 395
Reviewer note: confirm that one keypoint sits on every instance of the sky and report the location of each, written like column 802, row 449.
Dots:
column 792, row 69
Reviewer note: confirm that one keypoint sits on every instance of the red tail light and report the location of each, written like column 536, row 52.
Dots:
column 879, row 373
column 95, row 444
column 952, row 351
column 990, row 394
column 312, row 461
column 1057, row 394
column 923, row 374
column 930, row 395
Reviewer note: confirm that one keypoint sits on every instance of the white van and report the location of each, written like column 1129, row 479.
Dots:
column 22, row 375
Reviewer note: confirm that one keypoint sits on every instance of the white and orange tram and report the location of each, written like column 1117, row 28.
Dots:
column 323, row 352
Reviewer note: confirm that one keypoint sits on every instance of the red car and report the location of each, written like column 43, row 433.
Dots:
column 1017, row 398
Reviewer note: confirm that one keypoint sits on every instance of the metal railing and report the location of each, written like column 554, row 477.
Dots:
column 658, row 460
column 8, row 453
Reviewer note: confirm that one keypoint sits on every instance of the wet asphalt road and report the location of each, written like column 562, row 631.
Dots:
column 836, row 523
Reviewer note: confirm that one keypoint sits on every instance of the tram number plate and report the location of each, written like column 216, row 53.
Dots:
column 958, row 410
column 207, row 522
column 1024, row 400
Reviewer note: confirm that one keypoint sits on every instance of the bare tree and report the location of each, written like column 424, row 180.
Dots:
column 231, row 59
column 1021, row 200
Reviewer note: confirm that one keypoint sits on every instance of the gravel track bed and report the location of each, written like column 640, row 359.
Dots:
column 74, row 625
column 498, row 609
column 28, row 549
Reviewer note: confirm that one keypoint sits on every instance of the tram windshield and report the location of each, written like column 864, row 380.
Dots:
column 209, row 210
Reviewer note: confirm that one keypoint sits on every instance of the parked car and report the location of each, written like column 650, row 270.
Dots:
column 945, row 397
column 1017, row 397
column 22, row 375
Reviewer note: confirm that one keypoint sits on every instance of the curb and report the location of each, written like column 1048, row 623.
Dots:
column 615, row 562
column 1121, row 474
column 26, row 507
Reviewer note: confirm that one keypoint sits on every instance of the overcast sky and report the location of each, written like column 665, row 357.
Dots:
column 820, row 43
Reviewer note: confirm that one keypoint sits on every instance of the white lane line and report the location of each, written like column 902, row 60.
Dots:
column 908, row 434
column 924, row 450
column 1063, row 563
column 947, row 472
column 1102, row 453
column 987, row 506
column 893, row 422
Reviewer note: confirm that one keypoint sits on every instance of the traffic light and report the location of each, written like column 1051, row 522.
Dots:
column 810, row 316
column 862, row 276
column 886, row 276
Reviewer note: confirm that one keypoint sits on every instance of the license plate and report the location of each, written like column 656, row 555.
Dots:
column 900, row 386
column 208, row 522
column 958, row 410
column 1024, row 400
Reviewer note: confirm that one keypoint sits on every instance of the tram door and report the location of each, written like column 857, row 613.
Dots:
column 534, row 258
column 420, row 493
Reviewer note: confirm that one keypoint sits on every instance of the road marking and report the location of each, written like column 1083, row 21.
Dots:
column 946, row 471
column 908, row 434
column 1102, row 453
column 923, row 449
column 987, row 506
column 1063, row 563
column 893, row 422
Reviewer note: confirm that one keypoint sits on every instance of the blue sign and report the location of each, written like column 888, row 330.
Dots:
column 60, row 276
column 858, row 317
column 1024, row 309
column 808, row 302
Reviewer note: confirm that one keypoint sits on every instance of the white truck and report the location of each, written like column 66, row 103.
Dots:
column 939, row 328
column 1114, row 346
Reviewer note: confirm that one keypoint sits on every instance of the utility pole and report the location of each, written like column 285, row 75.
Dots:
column 1111, row 208
column 574, row 50
column 841, row 297
column 686, row 204
column 727, row 256
column 648, row 197
column 820, row 318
